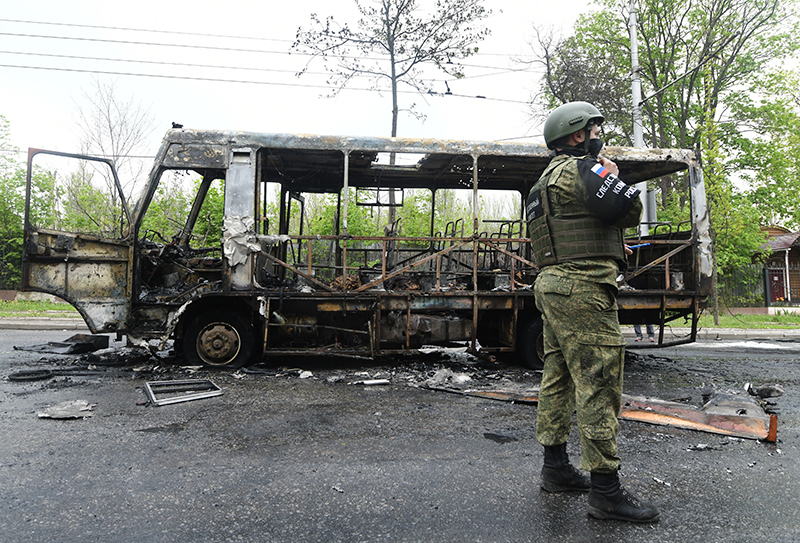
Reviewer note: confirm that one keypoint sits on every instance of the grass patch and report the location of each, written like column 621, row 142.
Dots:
column 38, row 309
column 783, row 320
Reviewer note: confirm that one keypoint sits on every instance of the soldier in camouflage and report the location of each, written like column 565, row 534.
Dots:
column 576, row 213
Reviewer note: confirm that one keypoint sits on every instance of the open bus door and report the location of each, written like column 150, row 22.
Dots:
column 88, row 260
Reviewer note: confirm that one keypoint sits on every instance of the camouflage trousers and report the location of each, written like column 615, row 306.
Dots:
column 583, row 367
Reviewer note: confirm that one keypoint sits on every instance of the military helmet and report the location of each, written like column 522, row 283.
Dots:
column 568, row 118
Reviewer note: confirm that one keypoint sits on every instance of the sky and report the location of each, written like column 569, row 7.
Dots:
column 181, row 49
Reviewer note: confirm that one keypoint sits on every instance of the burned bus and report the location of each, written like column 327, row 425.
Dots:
column 345, row 246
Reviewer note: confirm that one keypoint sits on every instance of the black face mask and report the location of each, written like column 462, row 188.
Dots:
column 595, row 146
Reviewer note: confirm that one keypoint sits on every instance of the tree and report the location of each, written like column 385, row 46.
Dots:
column 567, row 62
column 12, row 207
column 676, row 38
column 116, row 128
column 768, row 147
column 694, row 56
column 393, row 40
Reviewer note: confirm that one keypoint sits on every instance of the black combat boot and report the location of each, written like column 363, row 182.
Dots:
column 608, row 500
column 558, row 475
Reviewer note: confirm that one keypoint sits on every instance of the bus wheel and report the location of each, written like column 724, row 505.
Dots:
column 530, row 343
column 218, row 339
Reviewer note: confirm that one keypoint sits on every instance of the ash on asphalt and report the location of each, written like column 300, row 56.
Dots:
column 292, row 451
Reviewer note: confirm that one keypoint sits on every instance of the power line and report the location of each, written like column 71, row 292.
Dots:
column 175, row 32
column 220, row 66
column 207, row 47
column 181, row 33
column 131, row 42
column 242, row 81
column 204, row 47
column 158, row 62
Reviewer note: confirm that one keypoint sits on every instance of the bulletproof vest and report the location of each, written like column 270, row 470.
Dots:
column 575, row 235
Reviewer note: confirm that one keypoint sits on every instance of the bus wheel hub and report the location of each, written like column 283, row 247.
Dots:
column 218, row 343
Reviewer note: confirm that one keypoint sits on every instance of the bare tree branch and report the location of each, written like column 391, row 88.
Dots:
column 393, row 42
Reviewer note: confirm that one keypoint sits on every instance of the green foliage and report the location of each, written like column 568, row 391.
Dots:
column 735, row 226
column 768, row 156
column 168, row 210
column 693, row 57
column 592, row 65
column 450, row 207
column 322, row 216
column 784, row 320
column 742, row 287
column 12, row 207
column 89, row 207
column 38, row 309
column 208, row 228
column 416, row 213
column 11, row 219
column 12, row 210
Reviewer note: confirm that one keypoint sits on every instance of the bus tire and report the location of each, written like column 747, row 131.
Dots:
column 219, row 339
column 530, row 343
column 30, row 375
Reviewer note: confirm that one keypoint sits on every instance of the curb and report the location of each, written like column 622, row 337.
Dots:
column 41, row 323
column 713, row 334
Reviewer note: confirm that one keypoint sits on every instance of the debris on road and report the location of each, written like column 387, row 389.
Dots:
column 30, row 375
column 46, row 373
column 77, row 344
column 119, row 356
column 76, row 409
column 182, row 391
column 371, row 382
column 764, row 391
column 725, row 414
column 446, row 376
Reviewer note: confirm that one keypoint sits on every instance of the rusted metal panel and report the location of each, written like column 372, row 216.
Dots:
column 346, row 305
column 196, row 155
column 655, row 300
column 433, row 302
column 731, row 415
column 90, row 272
column 63, row 245
column 419, row 329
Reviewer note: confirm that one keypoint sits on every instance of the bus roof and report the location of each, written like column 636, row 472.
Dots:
column 315, row 163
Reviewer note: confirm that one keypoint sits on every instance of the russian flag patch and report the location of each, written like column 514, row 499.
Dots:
column 599, row 170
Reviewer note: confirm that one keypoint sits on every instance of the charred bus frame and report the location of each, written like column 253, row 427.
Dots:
column 264, row 290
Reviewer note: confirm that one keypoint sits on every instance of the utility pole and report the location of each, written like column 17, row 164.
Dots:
column 648, row 215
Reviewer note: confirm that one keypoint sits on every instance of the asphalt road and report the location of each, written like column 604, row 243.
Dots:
column 284, row 456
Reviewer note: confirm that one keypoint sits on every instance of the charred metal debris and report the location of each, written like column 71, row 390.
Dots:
column 746, row 413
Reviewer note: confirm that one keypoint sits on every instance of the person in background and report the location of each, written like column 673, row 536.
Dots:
column 651, row 334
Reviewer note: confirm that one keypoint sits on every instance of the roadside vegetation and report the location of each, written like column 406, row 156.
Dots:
column 38, row 309
column 727, row 320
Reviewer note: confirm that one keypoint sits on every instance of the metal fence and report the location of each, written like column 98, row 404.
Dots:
column 759, row 286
